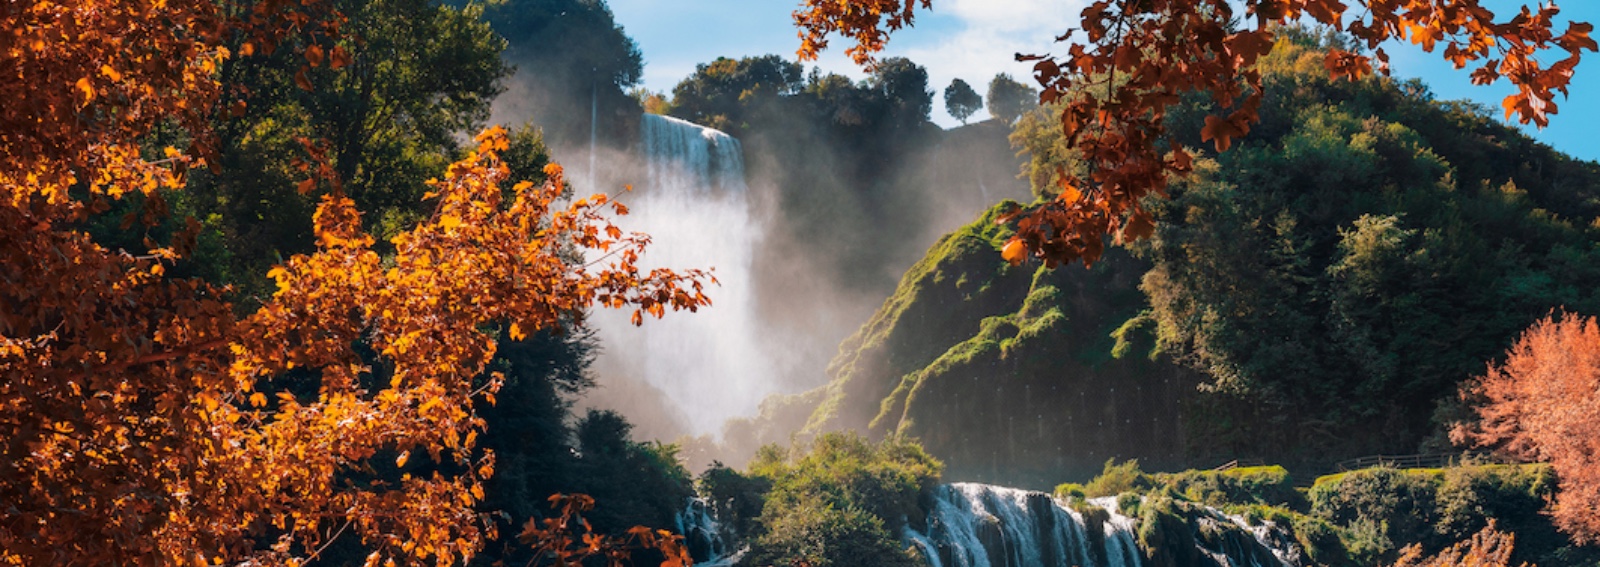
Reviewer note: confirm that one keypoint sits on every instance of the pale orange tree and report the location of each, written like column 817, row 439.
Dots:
column 1490, row 547
column 1543, row 404
column 1117, row 75
column 144, row 422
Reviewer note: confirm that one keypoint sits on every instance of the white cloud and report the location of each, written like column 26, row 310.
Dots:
column 982, row 38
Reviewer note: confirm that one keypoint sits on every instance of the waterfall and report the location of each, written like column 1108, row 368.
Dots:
column 704, row 536
column 976, row 525
column 714, row 363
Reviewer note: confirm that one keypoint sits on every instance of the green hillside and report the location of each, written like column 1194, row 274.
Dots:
column 1315, row 294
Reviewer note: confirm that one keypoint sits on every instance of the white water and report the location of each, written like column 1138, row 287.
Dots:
column 704, row 536
column 976, row 525
column 696, row 209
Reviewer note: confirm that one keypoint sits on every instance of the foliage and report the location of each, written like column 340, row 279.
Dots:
column 1487, row 548
column 1543, row 403
column 736, row 499
column 145, row 422
column 1383, row 507
column 1309, row 272
column 384, row 123
column 1377, row 511
column 1117, row 479
column 903, row 85
column 826, row 536
column 840, row 501
column 568, row 539
column 637, row 482
column 87, row 80
column 1363, row 517
column 960, row 100
column 718, row 93
column 1136, row 60
column 1266, row 485
column 573, row 62
column 1009, row 99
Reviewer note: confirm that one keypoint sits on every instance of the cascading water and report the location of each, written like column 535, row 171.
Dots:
column 976, row 525
column 696, row 210
column 704, row 536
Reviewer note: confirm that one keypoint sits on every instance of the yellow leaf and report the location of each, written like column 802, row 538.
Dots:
column 400, row 461
column 258, row 399
column 449, row 221
column 516, row 332
column 109, row 72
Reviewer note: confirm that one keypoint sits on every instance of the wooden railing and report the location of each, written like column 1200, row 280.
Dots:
column 1428, row 461
column 1236, row 463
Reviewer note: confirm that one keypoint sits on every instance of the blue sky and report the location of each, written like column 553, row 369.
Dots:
column 974, row 39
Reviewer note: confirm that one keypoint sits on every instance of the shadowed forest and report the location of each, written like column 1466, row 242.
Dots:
column 325, row 285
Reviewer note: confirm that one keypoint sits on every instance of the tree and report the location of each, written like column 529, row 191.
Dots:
column 145, row 422
column 904, row 85
column 387, row 123
column 1135, row 59
column 574, row 63
column 1488, row 548
column 961, row 101
column 1543, row 403
column 1008, row 99
column 719, row 94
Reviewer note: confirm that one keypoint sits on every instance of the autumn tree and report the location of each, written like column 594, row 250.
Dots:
column 961, row 101
column 1543, row 404
column 1008, row 99
column 145, row 422
column 1487, row 548
column 1121, row 70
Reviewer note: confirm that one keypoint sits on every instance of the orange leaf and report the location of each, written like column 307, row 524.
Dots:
column 1014, row 252
column 87, row 89
column 338, row 58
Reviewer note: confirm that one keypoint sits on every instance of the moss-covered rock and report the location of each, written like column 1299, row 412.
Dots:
column 1005, row 371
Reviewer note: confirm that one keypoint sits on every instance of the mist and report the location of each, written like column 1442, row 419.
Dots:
column 805, row 245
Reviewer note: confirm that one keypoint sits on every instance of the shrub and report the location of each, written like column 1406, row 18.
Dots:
column 1116, row 479
column 820, row 535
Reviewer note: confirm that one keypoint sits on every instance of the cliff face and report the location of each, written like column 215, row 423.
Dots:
column 1006, row 372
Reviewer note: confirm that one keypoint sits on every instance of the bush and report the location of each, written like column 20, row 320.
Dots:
column 824, row 536
column 1070, row 491
column 838, row 501
column 1271, row 486
column 735, row 499
column 1116, row 479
